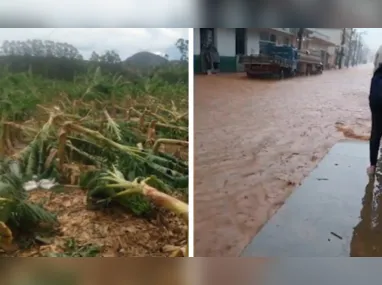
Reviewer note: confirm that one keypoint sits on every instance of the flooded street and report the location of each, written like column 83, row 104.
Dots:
column 256, row 140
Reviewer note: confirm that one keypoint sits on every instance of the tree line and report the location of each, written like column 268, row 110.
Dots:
column 57, row 60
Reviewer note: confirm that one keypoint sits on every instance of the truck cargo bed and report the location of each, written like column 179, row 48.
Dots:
column 265, row 60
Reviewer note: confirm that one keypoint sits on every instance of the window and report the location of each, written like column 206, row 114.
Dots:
column 272, row 38
column 286, row 41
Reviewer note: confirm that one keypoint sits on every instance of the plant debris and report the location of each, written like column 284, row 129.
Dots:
column 95, row 174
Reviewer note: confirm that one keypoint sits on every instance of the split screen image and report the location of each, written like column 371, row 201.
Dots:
column 205, row 142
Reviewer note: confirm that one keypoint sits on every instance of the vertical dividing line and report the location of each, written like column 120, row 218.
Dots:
column 191, row 141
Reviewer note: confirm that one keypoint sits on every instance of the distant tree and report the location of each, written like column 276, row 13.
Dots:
column 94, row 56
column 110, row 56
column 182, row 45
column 41, row 48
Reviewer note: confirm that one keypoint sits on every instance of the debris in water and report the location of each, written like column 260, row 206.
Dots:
column 336, row 235
column 348, row 132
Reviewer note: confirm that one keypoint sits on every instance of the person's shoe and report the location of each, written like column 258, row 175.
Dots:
column 371, row 170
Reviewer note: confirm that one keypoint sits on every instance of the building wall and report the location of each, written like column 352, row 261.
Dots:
column 332, row 35
column 226, row 45
column 253, row 42
column 225, row 40
column 335, row 35
column 281, row 35
column 317, row 45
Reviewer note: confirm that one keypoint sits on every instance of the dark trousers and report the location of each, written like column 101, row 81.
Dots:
column 376, row 129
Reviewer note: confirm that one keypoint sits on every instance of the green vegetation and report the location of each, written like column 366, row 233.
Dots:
column 119, row 134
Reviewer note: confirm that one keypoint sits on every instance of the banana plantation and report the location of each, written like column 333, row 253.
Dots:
column 94, row 167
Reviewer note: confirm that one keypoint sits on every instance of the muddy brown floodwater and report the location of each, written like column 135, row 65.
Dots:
column 256, row 140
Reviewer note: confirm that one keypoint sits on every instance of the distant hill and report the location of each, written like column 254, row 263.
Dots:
column 145, row 59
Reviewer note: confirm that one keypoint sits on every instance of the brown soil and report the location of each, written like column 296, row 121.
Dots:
column 119, row 234
column 256, row 140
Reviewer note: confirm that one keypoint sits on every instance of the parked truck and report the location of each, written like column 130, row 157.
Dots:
column 282, row 61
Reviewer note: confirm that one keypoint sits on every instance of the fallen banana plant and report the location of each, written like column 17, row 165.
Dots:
column 16, row 212
column 105, row 187
column 138, row 162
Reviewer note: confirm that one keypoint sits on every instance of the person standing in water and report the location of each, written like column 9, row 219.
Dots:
column 375, row 103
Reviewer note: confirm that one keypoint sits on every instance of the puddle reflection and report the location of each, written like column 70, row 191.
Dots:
column 367, row 235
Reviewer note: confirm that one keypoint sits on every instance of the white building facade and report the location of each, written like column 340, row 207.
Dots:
column 338, row 36
column 328, row 41
column 231, row 43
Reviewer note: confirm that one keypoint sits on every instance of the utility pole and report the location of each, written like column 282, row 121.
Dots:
column 360, row 48
column 351, row 47
column 342, row 51
column 356, row 49
column 360, row 53
column 300, row 35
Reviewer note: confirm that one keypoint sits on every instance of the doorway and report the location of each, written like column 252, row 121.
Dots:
column 207, row 36
column 241, row 39
column 207, row 39
column 240, row 46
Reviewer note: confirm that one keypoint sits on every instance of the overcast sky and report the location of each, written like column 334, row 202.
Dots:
column 372, row 37
column 125, row 41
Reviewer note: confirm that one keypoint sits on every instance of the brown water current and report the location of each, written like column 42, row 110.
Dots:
column 256, row 140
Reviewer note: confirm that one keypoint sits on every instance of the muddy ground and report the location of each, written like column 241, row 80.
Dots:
column 256, row 140
column 109, row 233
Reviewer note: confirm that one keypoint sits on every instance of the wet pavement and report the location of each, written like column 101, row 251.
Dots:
column 322, row 217
column 255, row 141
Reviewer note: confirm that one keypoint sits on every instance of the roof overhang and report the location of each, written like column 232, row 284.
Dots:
column 320, row 37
